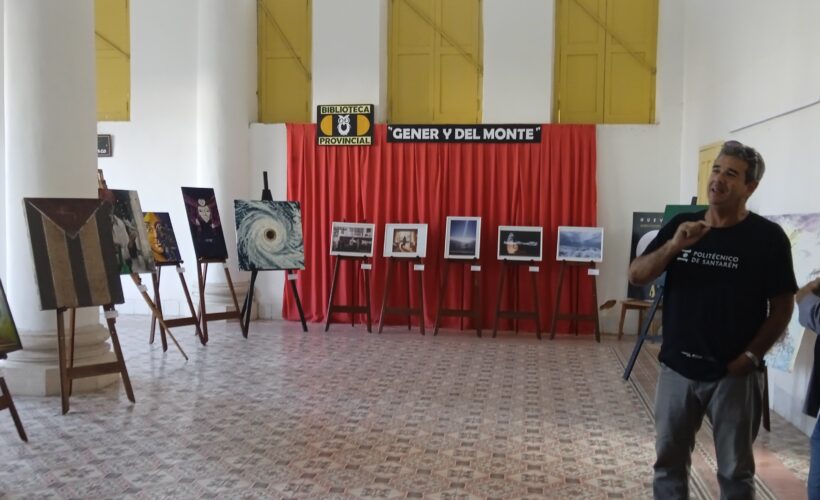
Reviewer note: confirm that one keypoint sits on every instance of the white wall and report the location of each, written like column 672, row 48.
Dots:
column 155, row 152
column 746, row 62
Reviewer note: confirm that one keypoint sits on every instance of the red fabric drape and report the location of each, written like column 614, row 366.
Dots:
column 547, row 184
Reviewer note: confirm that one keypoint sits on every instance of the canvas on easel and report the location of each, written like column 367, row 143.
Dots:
column 578, row 247
column 76, row 266
column 462, row 245
column 351, row 242
column 165, row 249
column 132, row 248
column 209, row 247
column 9, row 341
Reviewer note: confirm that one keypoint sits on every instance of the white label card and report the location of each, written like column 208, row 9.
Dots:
column 292, row 276
column 593, row 272
column 367, row 267
column 418, row 267
column 180, row 269
column 142, row 288
column 534, row 269
column 475, row 268
column 111, row 314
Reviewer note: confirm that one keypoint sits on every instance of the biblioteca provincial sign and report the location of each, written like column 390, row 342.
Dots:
column 344, row 125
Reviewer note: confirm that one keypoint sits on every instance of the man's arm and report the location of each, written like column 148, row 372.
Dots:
column 780, row 312
column 808, row 302
column 647, row 267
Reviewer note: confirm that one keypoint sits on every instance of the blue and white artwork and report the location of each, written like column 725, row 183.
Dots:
column 803, row 231
column 269, row 235
column 463, row 238
column 580, row 244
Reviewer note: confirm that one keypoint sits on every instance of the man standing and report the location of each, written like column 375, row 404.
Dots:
column 808, row 303
column 728, row 297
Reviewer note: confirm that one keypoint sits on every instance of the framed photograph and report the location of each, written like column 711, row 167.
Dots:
column 352, row 239
column 520, row 242
column 9, row 339
column 405, row 240
column 205, row 223
column 580, row 244
column 463, row 238
column 161, row 238
column 269, row 235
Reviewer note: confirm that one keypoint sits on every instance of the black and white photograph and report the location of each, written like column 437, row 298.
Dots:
column 463, row 238
column 520, row 243
column 405, row 240
column 352, row 239
column 580, row 244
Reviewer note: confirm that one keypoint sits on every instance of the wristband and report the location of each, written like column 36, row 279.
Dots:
column 753, row 357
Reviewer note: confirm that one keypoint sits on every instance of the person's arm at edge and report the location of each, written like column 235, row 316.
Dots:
column 808, row 303
column 780, row 312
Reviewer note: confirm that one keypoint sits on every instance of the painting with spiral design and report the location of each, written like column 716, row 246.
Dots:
column 269, row 235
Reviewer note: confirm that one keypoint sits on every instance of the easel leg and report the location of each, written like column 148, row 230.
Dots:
column 556, row 309
column 115, row 343
column 477, row 303
column 595, row 305
column 367, row 298
column 156, row 316
column 6, row 395
column 157, row 312
column 387, row 285
column 298, row 302
column 202, row 275
column 498, row 297
column 420, row 297
column 72, row 320
column 190, row 302
column 155, row 278
column 235, row 302
column 332, row 291
column 245, row 315
column 64, row 388
column 536, row 305
column 441, row 289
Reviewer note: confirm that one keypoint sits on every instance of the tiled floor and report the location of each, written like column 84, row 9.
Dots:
column 347, row 414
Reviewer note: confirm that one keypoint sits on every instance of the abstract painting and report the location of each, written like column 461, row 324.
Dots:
column 131, row 245
column 206, row 226
column 580, row 244
column 520, row 243
column 161, row 238
column 74, row 257
column 463, row 238
column 405, row 240
column 269, row 235
column 803, row 231
column 9, row 339
column 352, row 239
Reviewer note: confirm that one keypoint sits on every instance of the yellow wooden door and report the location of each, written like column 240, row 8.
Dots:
column 112, row 37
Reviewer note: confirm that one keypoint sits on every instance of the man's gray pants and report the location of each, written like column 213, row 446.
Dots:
column 733, row 405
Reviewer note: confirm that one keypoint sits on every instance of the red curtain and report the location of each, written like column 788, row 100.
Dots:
column 547, row 184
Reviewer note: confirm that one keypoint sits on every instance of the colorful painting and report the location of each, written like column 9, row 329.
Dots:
column 520, row 243
column 645, row 227
column 463, row 238
column 131, row 245
column 352, row 239
column 74, row 256
column 269, row 235
column 405, row 240
column 803, row 231
column 9, row 339
column 206, row 226
column 161, row 238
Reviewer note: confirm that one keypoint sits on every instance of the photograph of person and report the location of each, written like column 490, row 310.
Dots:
column 352, row 239
column 205, row 223
column 405, row 240
column 161, row 238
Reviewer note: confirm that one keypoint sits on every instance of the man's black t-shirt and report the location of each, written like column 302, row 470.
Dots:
column 716, row 292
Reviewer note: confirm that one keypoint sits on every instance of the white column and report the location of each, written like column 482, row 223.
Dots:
column 50, row 139
column 226, row 105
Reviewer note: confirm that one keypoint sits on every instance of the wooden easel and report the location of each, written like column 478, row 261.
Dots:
column 475, row 289
column 515, row 314
column 203, row 317
column 182, row 321
column 290, row 276
column 574, row 315
column 7, row 403
column 68, row 372
column 354, row 308
column 388, row 285
column 155, row 311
